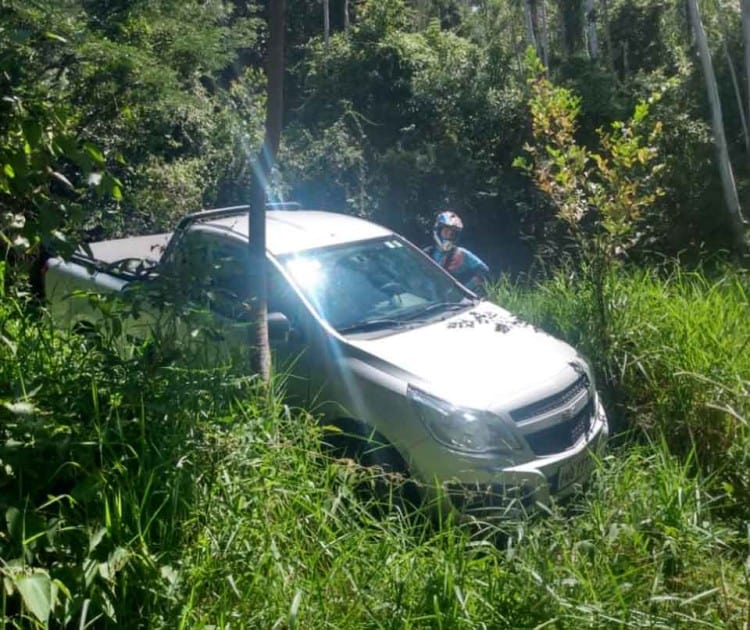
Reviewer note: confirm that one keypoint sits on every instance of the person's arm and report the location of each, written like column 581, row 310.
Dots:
column 478, row 272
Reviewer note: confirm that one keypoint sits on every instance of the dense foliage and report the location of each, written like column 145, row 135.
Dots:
column 122, row 99
column 129, row 114
column 136, row 490
column 401, row 115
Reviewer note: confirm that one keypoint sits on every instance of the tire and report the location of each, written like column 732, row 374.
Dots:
column 391, row 484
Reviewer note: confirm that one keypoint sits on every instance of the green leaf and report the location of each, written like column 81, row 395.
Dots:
column 521, row 163
column 8, row 170
column 66, row 145
column 641, row 111
column 32, row 131
column 36, row 591
column 14, row 523
column 169, row 573
column 96, row 538
column 55, row 37
column 111, row 185
column 114, row 563
column 94, row 153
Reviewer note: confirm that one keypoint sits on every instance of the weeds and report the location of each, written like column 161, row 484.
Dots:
column 140, row 491
column 678, row 365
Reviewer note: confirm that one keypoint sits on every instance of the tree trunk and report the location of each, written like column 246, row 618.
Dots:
column 570, row 12
column 608, row 35
column 746, row 39
column 528, row 15
column 275, row 105
column 591, row 19
column 731, row 198
column 518, row 46
column 346, row 16
column 260, row 356
column 326, row 22
column 544, row 32
column 733, row 76
column 572, row 26
column 421, row 12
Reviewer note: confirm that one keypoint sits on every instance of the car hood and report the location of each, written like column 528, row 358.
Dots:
column 482, row 358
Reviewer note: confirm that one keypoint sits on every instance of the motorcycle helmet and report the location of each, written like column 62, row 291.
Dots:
column 447, row 229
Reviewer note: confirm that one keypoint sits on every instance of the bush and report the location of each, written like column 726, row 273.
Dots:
column 136, row 487
column 98, row 464
column 677, row 361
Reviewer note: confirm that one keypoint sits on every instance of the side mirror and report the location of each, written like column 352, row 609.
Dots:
column 278, row 327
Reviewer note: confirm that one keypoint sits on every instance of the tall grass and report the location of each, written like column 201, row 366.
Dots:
column 138, row 492
column 96, row 452
column 287, row 543
column 678, row 360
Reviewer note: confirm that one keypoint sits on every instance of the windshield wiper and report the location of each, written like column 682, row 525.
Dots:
column 444, row 307
column 367, row 325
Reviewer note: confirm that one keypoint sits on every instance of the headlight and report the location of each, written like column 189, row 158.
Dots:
column 462, row 429
column 583, row 366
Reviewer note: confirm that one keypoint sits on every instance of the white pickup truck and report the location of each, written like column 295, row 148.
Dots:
column 379, row 340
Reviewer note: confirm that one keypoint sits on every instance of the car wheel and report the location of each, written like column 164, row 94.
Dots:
column 391, row 484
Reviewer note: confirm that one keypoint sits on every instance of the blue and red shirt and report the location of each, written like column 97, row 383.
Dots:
column 463, row 265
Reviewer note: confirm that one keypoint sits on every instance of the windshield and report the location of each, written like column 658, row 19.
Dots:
column 378, row 284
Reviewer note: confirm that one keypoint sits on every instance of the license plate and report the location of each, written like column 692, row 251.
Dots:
column 577, row 470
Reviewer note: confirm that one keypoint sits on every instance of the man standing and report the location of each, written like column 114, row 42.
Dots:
column 466, row 267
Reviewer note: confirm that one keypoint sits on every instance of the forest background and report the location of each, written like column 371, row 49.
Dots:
column 121, row 116
column 411, row 108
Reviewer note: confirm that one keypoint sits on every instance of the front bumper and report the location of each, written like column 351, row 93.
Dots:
column 516, row 491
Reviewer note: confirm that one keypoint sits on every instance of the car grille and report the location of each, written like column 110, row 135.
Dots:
column 562, row 435
column 544, row 406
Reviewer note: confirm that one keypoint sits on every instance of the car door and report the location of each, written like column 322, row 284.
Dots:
column 224, row 290
column 186, row 288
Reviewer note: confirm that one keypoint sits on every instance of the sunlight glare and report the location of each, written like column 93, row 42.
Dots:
column 308, row 272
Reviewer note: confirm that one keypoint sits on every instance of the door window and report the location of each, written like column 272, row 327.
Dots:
column 213, row 274
column 229, row 292
column 187, row 278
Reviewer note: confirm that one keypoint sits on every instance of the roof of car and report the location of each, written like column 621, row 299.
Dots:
column 289, row 231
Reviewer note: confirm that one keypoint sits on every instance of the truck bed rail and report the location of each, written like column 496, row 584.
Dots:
column 230, row 211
